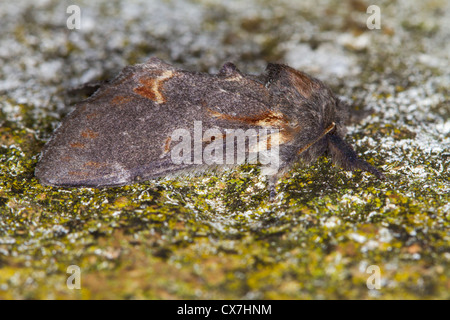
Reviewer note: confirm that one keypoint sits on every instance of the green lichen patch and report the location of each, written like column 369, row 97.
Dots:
column 217, row 235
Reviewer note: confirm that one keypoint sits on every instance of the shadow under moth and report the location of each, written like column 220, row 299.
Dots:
column 155, row 120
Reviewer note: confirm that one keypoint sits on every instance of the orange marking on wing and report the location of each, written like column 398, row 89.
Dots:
column 118, row 100
column 93, row 164
column 77, row 145
column 92, row 115
column 151, row 88
column 268, row 119
column 265, row 119
column 88, row 133
column 166, row 147
column 147, row 89
column 278, row 138
column 275, row 138
column 167, row 144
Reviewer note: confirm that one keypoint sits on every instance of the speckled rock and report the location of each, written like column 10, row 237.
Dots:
column 216, row 235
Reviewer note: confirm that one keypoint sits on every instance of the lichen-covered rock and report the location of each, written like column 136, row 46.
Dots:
column 217, row 235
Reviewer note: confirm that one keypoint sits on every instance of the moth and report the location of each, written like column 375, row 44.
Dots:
column 124, row 133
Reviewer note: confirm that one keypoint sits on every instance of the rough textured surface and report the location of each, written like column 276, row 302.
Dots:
column 216, row 235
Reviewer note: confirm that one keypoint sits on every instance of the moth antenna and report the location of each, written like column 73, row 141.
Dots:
column 343, row 155
column 324, row 133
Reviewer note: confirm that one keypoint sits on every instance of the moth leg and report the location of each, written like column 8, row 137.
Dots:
column 273, row 180
column 343, row 155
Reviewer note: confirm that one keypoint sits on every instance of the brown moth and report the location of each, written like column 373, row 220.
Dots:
column 125, row 131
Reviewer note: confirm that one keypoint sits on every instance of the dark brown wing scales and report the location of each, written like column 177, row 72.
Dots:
column 123, row 133
column 107, row 137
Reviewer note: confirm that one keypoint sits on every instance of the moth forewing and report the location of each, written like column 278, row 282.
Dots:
column 155, row 120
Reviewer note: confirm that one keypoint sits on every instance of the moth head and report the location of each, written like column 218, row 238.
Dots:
column 311, row 96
